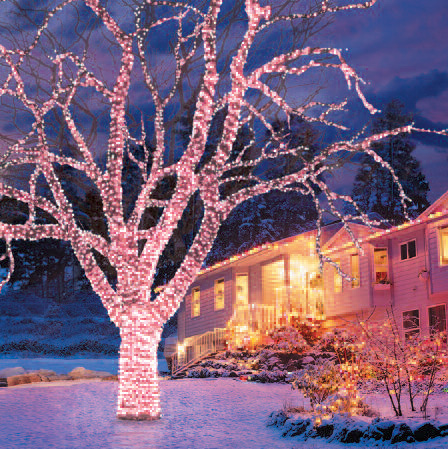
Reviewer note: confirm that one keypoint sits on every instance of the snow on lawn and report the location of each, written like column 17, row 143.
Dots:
column 198, row 414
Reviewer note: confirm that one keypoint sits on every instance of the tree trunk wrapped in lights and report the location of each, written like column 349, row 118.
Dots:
column 105, row 90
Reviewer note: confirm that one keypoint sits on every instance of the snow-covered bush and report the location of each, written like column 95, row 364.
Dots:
column 288, row 339
column 413, row 363
column 330, row 388
column 343, row 342
column 309, row 330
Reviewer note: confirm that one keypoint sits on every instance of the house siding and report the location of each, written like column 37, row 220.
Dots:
column 409, row 292
column 439, row 273
column 209, row 318
column 349, row 300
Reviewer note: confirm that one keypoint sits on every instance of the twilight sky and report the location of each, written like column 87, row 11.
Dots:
column 401, row 48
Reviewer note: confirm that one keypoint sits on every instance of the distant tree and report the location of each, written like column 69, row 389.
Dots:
column 275, row 215
column 375, row 189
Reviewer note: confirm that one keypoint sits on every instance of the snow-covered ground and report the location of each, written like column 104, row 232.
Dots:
column 197, row 414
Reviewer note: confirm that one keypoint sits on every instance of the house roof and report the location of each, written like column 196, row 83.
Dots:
column 334, row 236
column 438, row 206
column 438, row 209
column 342, row 238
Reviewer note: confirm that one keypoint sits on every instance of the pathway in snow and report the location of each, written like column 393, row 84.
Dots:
column 198, row 414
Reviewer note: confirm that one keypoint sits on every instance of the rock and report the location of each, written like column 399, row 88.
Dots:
column 82, row 373
column 443, row 430
column 34, row 377
column 325, row 430
column 402, row 432
column 426, row 432
column 9, row 372
column 3, row 382
column 298, row 427
column 113, row 377
column 352, row 436
column 233, row 374
column 380, row 430
column 18, row 380
column 277, row 418
column 59, row 377
column 44, row 372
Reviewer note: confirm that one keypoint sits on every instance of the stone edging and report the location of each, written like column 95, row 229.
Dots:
column 357, row 429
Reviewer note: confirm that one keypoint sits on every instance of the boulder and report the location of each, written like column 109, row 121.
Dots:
column 113, row 377
column 402, row 432
column 426, row 431
column 325, row 430
column 298, row 427
column 34, row 377
column 44, row 372
column 82, row 373
column 352, row 436
column 380, row 430
column 18, row 380
column 277, row 418
column 9, row 372
column 59, row 377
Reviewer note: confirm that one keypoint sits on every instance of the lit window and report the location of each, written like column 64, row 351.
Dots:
column 219, row 294
column 408, row 250
column 195, row 302
column 444, row 246
column 381, row 265
column 354, row 270
column 411, row 323
column 437, row 318
column 337, row 279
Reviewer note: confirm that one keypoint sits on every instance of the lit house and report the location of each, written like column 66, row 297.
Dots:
column 238, row 300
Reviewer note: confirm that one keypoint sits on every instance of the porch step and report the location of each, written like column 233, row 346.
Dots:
column 178, row 373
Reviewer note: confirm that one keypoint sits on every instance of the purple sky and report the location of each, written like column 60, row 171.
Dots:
column 401, row 48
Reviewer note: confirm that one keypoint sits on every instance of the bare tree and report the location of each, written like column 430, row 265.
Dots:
column 82, row 79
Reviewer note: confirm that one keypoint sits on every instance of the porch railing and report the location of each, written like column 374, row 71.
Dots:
column 194, row 348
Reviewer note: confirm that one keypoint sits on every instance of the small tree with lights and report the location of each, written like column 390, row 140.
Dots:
column 84, row 80
column 407, row 365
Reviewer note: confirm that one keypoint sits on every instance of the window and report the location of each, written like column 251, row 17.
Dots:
column 195, row 302
column 443, row 239
column 408, row 250
column 219, row 294
column 242, row 289
column 437, row 318
column 411, row 323
column 337, row 278
column 354, row 270
column 380, row 266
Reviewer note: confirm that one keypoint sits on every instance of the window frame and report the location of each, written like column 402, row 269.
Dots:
column 216, row 283
column 352, row 283
column 337, row 277
column 411, row 330
column 429, row 324
column 406, row 242
column 374, row 266
column 443, row 261
column 193, row 302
